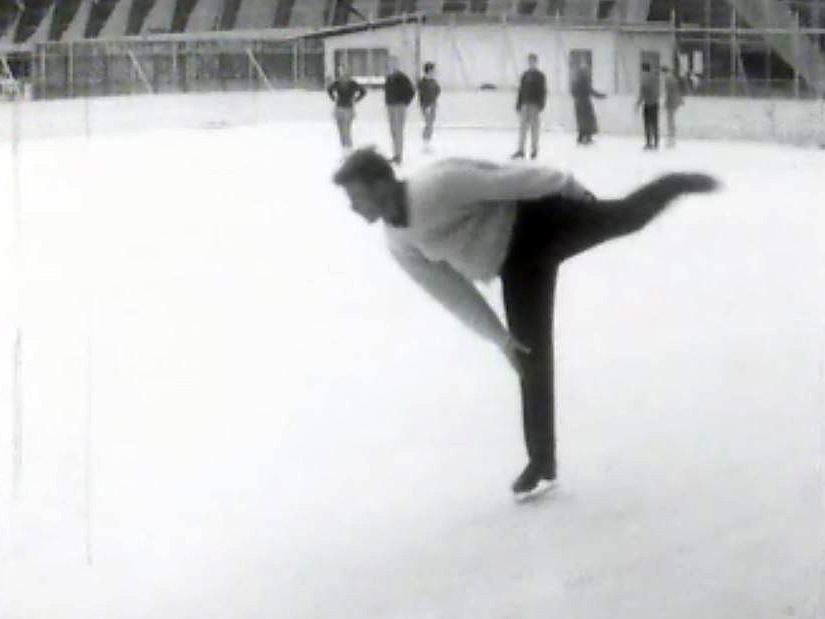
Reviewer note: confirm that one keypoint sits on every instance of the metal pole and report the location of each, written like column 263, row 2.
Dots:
column 71, row 69
column 706, row 68
column 175, row 76
column 733, row 67
column 796, row 57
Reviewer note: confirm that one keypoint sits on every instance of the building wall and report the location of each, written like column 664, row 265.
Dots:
column 472, row 55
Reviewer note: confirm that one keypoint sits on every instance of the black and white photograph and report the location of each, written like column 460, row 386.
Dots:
column 412, row 309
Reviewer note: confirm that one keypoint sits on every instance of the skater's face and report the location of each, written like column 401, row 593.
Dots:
column 365, row 199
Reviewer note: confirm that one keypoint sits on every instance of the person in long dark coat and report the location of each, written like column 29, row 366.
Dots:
column 582, row 91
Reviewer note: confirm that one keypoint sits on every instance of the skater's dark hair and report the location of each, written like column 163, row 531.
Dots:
column 428, row 67
column 364, row 165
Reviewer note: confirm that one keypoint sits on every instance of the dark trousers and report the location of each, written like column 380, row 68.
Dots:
column 547, row 232
column 650, row 112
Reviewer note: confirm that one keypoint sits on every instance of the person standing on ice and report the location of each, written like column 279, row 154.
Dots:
column 398, row 94
column 649, row 102
column 428, row 93
column 530, row 102
column 458, row 221
column 673, row 101
column 345, row 92
column 582, row 91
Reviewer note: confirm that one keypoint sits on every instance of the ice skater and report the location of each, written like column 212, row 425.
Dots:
column 458, row 221
column 673, row 101
column 649, row 102
column 428, row 92
column 582, row 91
column 398, row 94
column 345, row 92
column 530, row 102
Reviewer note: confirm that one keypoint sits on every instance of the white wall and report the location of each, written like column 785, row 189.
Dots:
column 801, row 122
column 472, row 55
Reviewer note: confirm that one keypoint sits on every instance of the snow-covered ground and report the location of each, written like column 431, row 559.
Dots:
column 281, row 425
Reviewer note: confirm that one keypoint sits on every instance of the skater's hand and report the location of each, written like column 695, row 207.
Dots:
column 515, row 352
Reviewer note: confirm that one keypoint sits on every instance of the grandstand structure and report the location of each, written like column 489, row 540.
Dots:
column 67, row 48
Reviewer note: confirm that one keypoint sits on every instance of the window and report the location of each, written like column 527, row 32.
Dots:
column 605, row 9
column 555, row 7
column 363, row 62
column 283, row 13
column 478, row 6
column 579, row 57
column 454, row 6
column 526, row 7
column 389, row 8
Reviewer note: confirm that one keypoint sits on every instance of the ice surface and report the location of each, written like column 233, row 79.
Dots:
column 284, row 426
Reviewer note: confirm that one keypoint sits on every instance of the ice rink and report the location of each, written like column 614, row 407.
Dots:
column 235, row 405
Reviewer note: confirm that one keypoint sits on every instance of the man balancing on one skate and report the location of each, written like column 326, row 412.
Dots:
column 461, row 220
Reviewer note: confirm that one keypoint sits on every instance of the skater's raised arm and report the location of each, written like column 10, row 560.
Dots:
column 455, row 292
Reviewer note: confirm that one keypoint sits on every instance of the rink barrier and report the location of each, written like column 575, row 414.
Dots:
column 773, row 120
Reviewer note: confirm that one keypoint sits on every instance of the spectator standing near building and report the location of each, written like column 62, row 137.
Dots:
column 398, row 94
column 458, row 221
column 530, row 102
column 345, row 92
column 428, row 92
column 649, row 102
column 673, row 101
column 582, row 91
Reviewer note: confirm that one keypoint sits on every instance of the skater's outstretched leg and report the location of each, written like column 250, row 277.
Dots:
column 637, row 209
column 557, row 227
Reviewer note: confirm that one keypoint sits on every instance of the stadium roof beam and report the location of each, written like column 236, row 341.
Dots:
column 795, row 48
column 98, row 16
column 229, row 15
column 34, row 12
column 137, row 15
column 181, row 14
column 64, row 12
column 9, row 10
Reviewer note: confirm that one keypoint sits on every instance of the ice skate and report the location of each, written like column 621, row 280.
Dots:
column 532, row 483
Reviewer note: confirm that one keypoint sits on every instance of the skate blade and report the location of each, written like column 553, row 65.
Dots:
column 544, row 488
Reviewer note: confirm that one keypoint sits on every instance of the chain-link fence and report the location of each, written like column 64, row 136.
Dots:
column 180, row 64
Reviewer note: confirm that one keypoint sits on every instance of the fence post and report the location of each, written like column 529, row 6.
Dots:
column 71, row 69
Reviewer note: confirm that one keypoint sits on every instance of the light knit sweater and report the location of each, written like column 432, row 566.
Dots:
column 461, row 214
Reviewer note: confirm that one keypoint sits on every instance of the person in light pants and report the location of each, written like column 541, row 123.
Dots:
column 345, row 92
column 530, row 102
column 398, row 94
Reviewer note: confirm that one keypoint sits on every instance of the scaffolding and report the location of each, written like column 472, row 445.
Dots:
column 732, row 59
column 174, row 64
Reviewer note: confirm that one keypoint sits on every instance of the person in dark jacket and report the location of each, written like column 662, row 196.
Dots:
column 428, row 93
column 530, row 102
column 582, row 91
column 459, row 221
column 649, row 102
column 345, row 92
column 398, row 94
